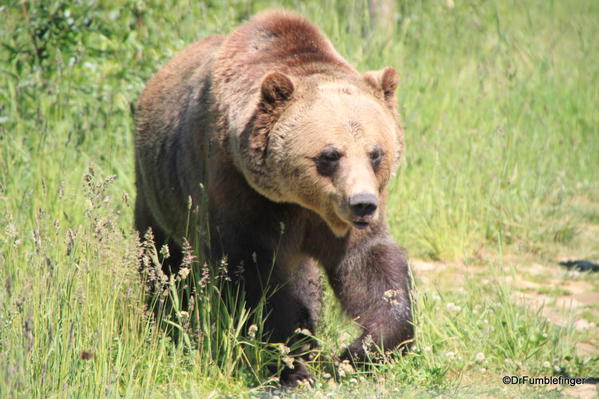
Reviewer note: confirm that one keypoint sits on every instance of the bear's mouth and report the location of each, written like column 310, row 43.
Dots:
column 360, row 224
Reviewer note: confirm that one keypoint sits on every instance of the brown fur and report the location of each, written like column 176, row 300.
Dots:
column 279, row 130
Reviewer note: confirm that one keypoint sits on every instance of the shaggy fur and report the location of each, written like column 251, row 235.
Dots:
column 276, row 129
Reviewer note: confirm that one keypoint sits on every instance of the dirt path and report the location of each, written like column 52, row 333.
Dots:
column 562, row 296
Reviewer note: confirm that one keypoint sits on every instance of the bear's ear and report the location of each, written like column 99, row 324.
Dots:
column 276, row 88
column 275, row 92
column 385, row 81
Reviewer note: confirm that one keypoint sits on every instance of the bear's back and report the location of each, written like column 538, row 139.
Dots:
column 271, row 41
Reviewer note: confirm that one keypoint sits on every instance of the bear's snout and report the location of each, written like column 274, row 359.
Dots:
column 362, row 207
column 363, row 204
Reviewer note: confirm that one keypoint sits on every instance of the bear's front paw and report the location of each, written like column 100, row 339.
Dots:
column 354, row 354
column 298, row 375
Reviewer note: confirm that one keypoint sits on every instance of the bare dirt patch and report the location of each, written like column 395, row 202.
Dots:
column 561, row 296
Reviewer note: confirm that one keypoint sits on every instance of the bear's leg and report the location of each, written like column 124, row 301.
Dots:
column 296, row 302
column 372, row 283
column 293, row 301
column 296, row 305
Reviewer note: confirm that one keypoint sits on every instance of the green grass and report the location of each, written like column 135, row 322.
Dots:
column 499, row 103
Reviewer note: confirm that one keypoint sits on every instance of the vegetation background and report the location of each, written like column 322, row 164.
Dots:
column 500, row 181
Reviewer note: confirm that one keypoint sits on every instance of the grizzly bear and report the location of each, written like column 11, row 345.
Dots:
column 290, row 150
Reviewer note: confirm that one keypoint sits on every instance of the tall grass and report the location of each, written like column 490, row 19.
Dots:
column 498, row 100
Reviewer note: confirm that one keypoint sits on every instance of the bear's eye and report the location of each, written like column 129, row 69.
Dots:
column 330, row 155
column 375, row 157
column 327, row 161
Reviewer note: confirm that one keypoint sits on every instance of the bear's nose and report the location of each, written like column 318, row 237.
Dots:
column 363, row 204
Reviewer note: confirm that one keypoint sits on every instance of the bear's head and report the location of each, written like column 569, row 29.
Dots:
column 329, row 145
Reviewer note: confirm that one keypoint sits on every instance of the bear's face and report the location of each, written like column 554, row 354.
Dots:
column 332, row 149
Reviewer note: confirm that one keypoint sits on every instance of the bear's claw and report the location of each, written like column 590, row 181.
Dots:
column 299, row 375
